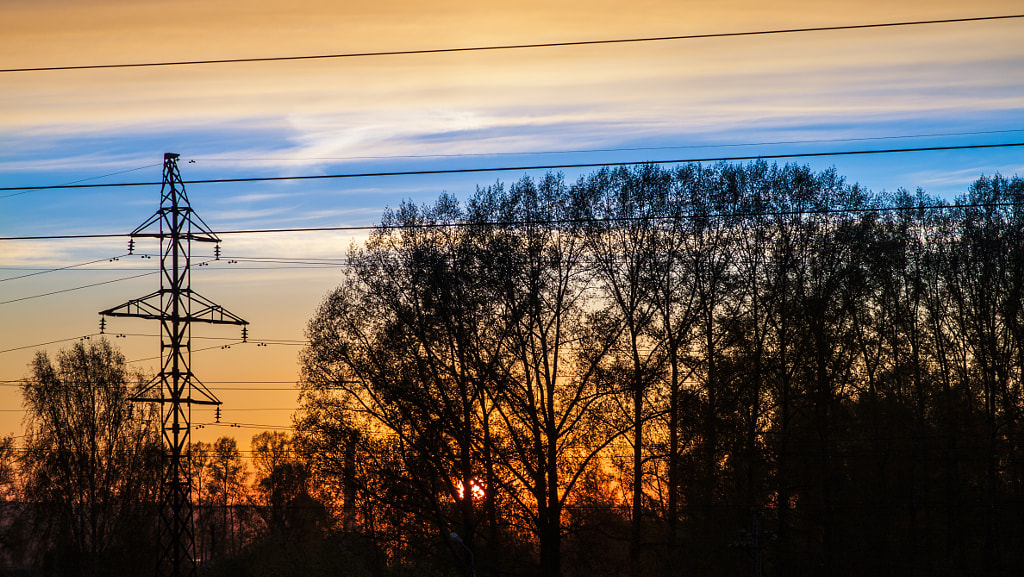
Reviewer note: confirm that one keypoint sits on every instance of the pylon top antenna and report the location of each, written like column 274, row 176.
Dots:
column 174, row 201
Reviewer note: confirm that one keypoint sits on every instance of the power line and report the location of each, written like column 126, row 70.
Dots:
column 551, row 152
column 228, row 408
column 326, row 262
column 90, row 178
column 738, row 214
column 109, row 259
column 232, row 341
column 78, row 288
column 227, row 346
column 294, row 387
column 253, row 383
column 529, row 167
column 251, row 339
column 518, row 46
column 310, row 266
column 82, row 337
column 14, row 383
column 89, row 285
column 244, row 426
column 308, row 263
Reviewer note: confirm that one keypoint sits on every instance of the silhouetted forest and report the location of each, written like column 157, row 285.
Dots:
column 727, row 370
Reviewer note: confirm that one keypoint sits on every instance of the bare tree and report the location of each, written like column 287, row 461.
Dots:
column 622, row 238
column 408, row 346
column 91, row 462
column 227, row 488
column 549, row 398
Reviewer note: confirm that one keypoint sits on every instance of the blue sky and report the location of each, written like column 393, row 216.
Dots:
column 935, row 85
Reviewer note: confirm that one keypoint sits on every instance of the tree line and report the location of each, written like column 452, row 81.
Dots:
column 699, row 371
column 79, row 493
column 709, row 370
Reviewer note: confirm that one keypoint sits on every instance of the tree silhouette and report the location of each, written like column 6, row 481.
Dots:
column 750, row 368
column 92, row 460
column 227, row 490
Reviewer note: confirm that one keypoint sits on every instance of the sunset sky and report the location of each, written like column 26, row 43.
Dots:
column 880, row 88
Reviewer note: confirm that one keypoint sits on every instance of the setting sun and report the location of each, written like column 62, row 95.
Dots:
column 476, row 489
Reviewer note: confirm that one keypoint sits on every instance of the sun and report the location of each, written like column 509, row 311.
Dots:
column 476, row 489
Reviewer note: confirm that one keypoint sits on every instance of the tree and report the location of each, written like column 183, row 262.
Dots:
column 293, row 536
column 791, row 370
column 9, row 508
column 7, row 467
column 92, row 460
column 407, row 345
column 227, row 488
column 549, row 400
column 623, row 239
column 199, row 454
column 281, row 481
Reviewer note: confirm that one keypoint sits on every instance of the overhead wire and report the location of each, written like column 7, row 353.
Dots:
column 547, row 152
column 511, row 223
column 525, row 46
column 247, row 268
column 78, row 338
column 293, row 409
column 251, row 339
column 96, row 284
column 308, row 262
column 294, row 387
column 233, row 340
column 243, row 426
column 35, row 296
column 90, row 178
column 158, row 357
column 531, row 167
column 224, row 346
column 228, row 409
column 70, row 266
column 223, row 258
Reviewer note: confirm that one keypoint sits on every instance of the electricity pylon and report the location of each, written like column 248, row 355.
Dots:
column 175, row 388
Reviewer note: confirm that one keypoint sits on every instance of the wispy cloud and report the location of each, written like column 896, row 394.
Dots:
column 58, row 253
column 962, row 177
column 228, row 216
column 255, row 197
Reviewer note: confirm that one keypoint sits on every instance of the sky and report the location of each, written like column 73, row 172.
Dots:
column 878, row 88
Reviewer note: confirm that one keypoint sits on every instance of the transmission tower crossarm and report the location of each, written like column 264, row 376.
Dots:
column 183, row 236
column 149, row 307
column 185, row 401
column 209, row 397
column 210, row 312
column 141, row 307
column 157, row 385
column 154, row 384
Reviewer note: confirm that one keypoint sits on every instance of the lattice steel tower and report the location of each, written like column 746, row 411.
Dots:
column 175, row 388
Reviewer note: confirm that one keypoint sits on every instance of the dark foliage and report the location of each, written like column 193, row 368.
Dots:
column 711, row 370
